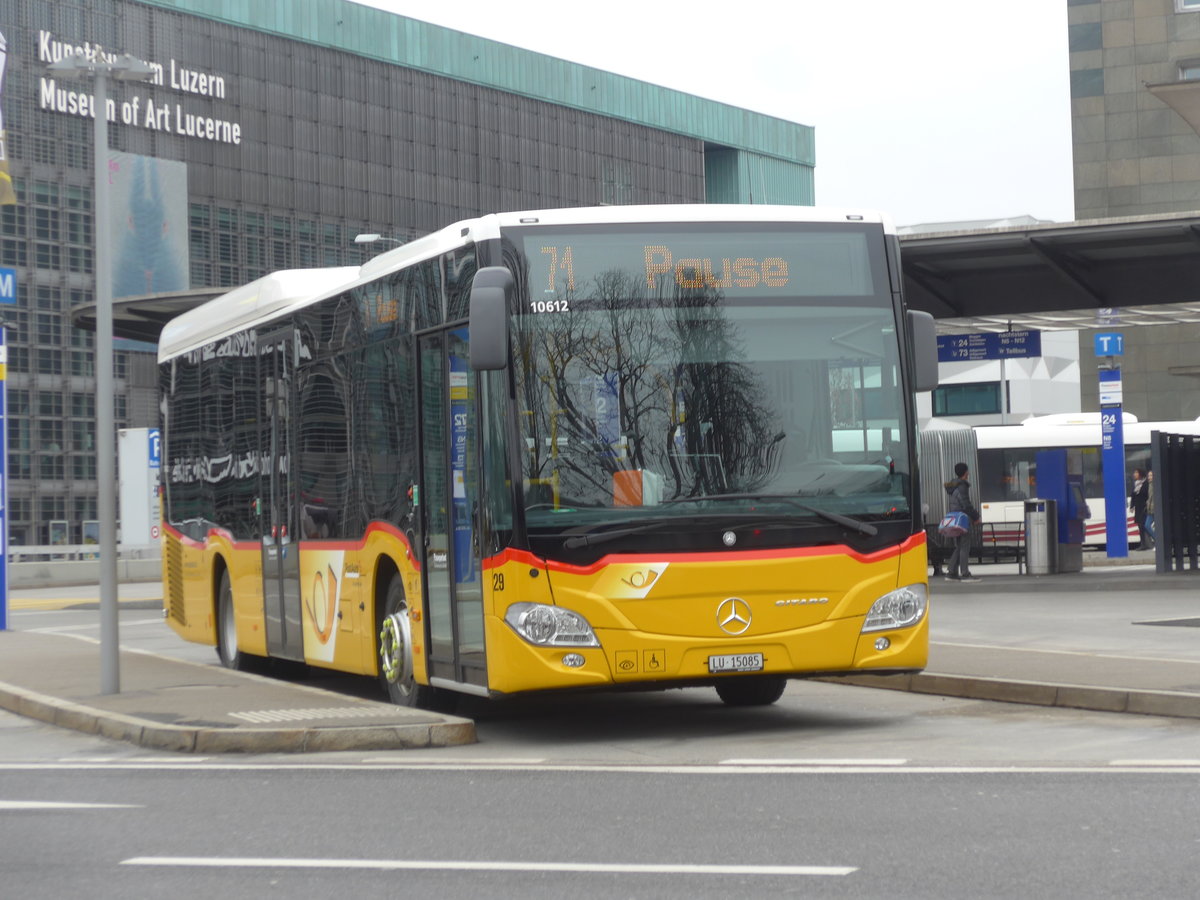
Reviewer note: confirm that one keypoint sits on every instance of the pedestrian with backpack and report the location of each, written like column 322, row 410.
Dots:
column 959, row 501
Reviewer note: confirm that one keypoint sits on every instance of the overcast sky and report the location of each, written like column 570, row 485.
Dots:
column 930, row 110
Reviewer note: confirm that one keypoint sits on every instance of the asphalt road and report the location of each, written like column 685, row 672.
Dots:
column 247, row 829
column 685, row 727
column 836, row 791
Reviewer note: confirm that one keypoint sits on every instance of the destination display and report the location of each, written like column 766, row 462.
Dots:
column 566, row 267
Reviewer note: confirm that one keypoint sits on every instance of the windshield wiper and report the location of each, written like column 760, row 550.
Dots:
column 586, row 540
column 837, row 518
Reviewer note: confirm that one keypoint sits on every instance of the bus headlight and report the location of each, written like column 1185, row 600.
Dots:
column 897, row 609
column 550, row 626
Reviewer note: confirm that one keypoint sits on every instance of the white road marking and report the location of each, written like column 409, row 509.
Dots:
column 448, row 763
column 813, row 762
column 465, row 865
column 40, row 804
column 66, row 630
column 140, row 759
column 610, row 769
column 1175, row 763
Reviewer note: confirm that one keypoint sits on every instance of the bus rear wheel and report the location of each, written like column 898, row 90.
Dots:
column 396, row 657
column 751, row 690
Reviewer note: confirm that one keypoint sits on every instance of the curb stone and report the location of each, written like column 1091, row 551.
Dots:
column 189, row 739
column 1066, row 696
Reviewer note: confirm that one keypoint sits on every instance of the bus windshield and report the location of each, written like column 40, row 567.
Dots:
column 677, row 373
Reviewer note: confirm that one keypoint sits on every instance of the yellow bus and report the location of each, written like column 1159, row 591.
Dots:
column 615, row 447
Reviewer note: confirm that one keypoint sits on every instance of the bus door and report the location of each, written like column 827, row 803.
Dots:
column 451, row 565
column 278, row 512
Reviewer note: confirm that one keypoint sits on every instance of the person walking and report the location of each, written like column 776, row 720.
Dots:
column 1138, row 502
column 959, row 489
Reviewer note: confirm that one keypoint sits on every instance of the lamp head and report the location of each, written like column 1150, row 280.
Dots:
column 129, row 68
column 73, row 66
column 124, row 68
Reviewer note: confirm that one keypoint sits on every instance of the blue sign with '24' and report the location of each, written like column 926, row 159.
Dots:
column 989, row 345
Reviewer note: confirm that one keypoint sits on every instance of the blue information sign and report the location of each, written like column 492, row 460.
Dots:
column 989, row 345
column 154, row 447
column 3, row 478
column 1112, row 464
column 8, row 285
column 1109, row 343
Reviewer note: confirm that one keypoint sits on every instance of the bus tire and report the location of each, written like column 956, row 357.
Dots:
column 751, row 690
column 227, row 648
column 396, row 657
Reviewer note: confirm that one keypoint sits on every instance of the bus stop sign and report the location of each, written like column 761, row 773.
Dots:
column 1109, row 343
column 989, row 345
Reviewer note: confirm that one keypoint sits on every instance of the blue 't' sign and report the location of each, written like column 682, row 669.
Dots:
column 1109, row 343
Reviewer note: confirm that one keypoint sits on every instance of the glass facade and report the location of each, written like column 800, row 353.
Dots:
column 289, row 148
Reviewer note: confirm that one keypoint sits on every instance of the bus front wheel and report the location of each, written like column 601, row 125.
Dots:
column 396, row 657
column 227, row 648
column 751, row 690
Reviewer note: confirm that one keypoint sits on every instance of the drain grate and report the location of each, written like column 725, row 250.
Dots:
column 1186, row 623
column 307, row 715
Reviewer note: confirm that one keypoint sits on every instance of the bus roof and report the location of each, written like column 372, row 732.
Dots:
column 243, row 305
column 271, row 296
column 689, row 212
column 1072, row 418
column 488, row 227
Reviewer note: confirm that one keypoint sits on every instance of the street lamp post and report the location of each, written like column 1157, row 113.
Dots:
column 100, row 69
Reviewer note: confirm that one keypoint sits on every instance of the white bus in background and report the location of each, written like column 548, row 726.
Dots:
column 1007, row 467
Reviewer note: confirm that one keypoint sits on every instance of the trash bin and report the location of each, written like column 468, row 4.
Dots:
column 1041, row 537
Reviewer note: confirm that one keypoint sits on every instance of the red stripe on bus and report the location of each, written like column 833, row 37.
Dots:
column 530, row 559
column 351, row 546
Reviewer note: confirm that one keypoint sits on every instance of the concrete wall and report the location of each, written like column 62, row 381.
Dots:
column 1160, row 372
column 61, row 573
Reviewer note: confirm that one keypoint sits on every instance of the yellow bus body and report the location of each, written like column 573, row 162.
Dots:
column 338, row 594
column 656, row 616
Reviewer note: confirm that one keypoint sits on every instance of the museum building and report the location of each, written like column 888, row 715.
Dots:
column 266, row 137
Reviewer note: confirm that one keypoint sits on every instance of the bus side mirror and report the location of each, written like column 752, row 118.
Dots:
column 489, row 318
column 924, row 350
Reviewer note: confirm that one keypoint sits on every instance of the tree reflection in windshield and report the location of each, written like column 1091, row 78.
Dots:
column 632, row 399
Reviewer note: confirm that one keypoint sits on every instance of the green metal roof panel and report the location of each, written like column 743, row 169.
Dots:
column 739, row 176
column 366, row 31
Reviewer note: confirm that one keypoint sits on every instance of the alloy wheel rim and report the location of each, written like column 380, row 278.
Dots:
column 394, row 655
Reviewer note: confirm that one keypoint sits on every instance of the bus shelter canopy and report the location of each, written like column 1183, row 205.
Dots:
column 142, row 318
column 1077, row 275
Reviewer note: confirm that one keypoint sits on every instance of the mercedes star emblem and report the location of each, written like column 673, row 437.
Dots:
column 733, row 615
